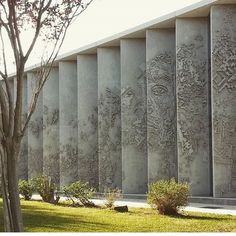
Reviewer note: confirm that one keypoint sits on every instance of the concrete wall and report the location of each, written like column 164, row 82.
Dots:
column 23, row 155
column 223, row 41
column 87, row 116
column 35, row 130
column 68, row 123
column 109, row 120
column 133, row 116
column 193, row 116
column 51, row 127
column 161, row 104
column 149, row 109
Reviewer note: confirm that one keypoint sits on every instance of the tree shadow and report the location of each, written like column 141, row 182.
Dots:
column 196, row 217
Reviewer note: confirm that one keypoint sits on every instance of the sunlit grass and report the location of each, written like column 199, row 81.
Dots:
column 43, row 217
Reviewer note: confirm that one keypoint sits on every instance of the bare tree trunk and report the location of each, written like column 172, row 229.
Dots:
column 11, row 202
column 14, row 198
column 6, row 205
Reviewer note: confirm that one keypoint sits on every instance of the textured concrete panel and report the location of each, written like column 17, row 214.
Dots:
column 87, row 116
column 22, row 161
column 133, row 116
column 223, row 39
column 109, row 118
column 161, row 104
column 35, row 131
column 51, row 127
column 68, row 123
column 193, row 116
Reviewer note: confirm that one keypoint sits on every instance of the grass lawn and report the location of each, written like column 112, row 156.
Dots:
column 43, row 217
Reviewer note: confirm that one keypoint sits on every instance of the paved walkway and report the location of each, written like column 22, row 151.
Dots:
column 194, row 207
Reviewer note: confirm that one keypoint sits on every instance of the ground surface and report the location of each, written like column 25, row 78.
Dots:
column 43, row 217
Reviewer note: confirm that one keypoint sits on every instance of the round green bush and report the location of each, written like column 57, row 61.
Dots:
column 26, row 189
column 167, row 196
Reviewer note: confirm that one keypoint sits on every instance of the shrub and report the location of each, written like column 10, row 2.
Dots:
column 168, row 196
column 79, row 193
column 111, row 195
column 46, row 189
column 26, row 189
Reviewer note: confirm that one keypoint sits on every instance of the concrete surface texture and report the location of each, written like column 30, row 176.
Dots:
column 192, row 94
column 68, row 123
column 87, row 117
column 51, row 148
column 161, row 104
column 35, row 130
column 223, row 34
column 109, row 118
column 133, row 116
column 142, row 107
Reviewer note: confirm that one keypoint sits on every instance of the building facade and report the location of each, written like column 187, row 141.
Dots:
column 155, row 102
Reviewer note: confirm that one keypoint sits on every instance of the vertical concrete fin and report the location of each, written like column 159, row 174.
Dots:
column 223, row 52
column 51, row 127
column 68, row 128
column 87, row 116
column 161, row 104
column 133, row 116
column 193, row 117
column 109, row 118
column 35, row 130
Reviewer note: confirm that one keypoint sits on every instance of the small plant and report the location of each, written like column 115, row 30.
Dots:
column 111, row 195
column 79, row 193
column 26, row 189
column 167, row 196
column 46, row 189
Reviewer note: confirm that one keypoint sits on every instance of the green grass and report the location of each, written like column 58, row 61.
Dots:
column 43, row 217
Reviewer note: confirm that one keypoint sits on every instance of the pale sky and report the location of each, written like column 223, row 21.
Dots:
column 104, row 18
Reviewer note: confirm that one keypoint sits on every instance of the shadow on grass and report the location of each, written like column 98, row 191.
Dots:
column 196, row 217
column 46, row 218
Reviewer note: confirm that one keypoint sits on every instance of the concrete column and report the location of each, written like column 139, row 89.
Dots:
column 161, row 104
column 193, row 104
column 87, row 116
column 109, row 118
column 22, row 161
column 223, row 52
column 35, row 130
column 68, row 123
column 51, row 127
column 133, row 116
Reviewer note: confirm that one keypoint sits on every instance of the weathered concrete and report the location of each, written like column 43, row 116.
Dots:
column 133, row 116
column 87, row 116
column 35, row 130
column 161, row 104
column 68, row 123
column 51, row 127
column 22, row 161
column 109, row 118
column 223, row 40
column 193, row 116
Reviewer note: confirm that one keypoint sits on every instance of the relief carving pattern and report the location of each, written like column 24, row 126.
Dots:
column 87, row 151
column 161, row 114
column 224, row 97
column 109, row 126
column 192, row 103
column 35, row 147
column 51, row 144
column 134, row 107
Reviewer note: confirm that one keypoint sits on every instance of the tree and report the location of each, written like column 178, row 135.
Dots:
column 48, row 19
